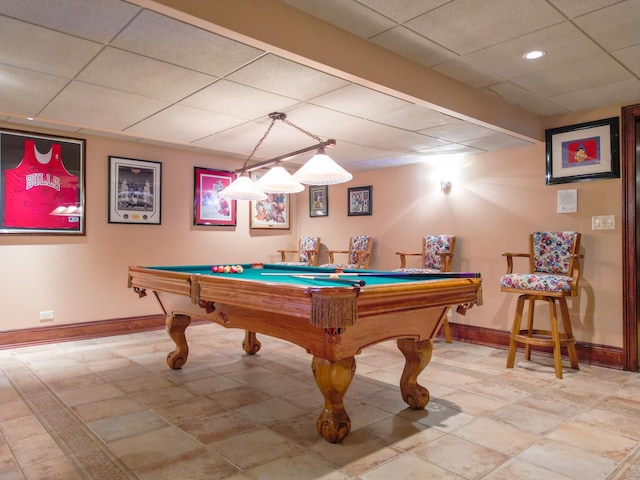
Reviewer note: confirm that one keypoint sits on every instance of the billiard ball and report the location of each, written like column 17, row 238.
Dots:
column 334, row 275
column 226, row 269
column 239, row 269
column 232, row 269
column 220, row 269
column 214, row 269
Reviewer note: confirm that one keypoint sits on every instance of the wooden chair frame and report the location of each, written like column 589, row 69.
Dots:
column 362, row 256
column 447, row 262
column 312, row 255
column 553, row 338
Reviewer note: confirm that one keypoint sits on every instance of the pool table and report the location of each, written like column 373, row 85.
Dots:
column 333, row 319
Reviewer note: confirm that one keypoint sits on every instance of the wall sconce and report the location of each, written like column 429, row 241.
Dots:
column 445, row 184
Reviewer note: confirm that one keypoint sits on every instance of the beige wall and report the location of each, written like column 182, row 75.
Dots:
column 496, row 200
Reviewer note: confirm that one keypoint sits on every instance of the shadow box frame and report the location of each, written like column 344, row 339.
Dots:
column 318, row 201
column 59, row 189
column 583, row 152
column 135, row 191
column 208, row 208
column 360, row 201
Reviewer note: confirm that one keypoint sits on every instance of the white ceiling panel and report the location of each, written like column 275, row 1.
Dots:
column 119, row 69
column 133, row 73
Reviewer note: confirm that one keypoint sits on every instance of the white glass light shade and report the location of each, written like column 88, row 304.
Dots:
column 278, row 180
column 322, row 170
column 242, row 188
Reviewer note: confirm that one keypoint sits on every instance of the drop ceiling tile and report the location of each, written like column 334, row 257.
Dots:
column 43, row 124
column 566, row 78
column 468, row 72
column 410, row 45
column 630, row 58
column 25, row 92
column 451, row 149
column 239, row 100
column 573, row 9
column 165, row 39
column 613, row 27
column 98, row 107
column 403, row 10
column 458, row 131
column 385, row 137
column 359, row 101
column 414, row 118
column 122, row 70
column 347, row 154
column 43, row 50
column 320, row 121
column 468, row 25
column 183, row 124
column 348, row 15
column 283, row 77
column 101, row 19
column 497, row 141
column 563, row 42
column 624, row 92
column 522, row 97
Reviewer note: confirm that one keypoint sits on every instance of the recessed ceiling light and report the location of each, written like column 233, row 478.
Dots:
column 534, row 54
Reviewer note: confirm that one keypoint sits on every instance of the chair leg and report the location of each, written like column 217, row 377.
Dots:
column 555, row 336
column 515, row 330
column 447, row 331
column 530, row 312
column 566, row 324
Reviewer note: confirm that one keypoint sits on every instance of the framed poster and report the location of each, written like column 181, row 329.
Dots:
column 42, row 186
column 359, row 201
column 134, row 191
column 318, row 201
column 586, row 151
column 208, row 207
column 273, row 212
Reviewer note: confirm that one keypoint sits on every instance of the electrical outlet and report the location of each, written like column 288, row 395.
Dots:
column 46, row 316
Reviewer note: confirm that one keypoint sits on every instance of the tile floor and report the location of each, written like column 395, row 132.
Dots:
column 111, row 409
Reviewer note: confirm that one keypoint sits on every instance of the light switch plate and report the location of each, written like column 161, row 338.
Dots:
column 603, row 222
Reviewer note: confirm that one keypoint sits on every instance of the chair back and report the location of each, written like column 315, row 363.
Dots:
column 433, row 248
column 360, row 247
column 554, row 252
column 308, row 249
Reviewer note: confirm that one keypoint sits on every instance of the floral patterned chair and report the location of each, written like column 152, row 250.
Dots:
column 306, row 254
column 436, row 256
column 554, row 270
column 358, row 255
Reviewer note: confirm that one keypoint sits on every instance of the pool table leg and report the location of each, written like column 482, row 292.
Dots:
column 176, row 325
column 251, row 345
column 417, row 355
column 333, row 379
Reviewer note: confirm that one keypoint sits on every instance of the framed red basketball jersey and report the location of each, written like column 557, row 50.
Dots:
column 42, row 184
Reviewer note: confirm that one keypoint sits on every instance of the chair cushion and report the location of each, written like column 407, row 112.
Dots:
column 294, row 264
column 552, row 251
column 417, row 270
column 434, row 245
column 341, row 266
column 307, row 244
column 537, row 282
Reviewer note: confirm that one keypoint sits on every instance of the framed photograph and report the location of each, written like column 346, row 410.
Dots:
column 318, row 201
column 208, row 207
column 586, row 151
column 359, row 201
column 271, row 213
column 135, row 190
column 42, row 185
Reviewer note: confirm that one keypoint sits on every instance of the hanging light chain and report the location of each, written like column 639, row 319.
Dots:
column 255, row 149
column 291, row 124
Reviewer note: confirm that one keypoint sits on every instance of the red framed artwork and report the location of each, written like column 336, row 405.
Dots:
column 586, row 151
column 208, row 207
column 42, row 186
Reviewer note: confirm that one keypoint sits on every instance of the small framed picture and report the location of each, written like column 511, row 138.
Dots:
column 134, row 191
column 208, row 207
column 318, row 201
column 586, row 151
column 42, row 181
column 271, row 213
column 359, row 201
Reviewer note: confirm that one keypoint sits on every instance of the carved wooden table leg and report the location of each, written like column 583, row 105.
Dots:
column 333, row 379
column 176, row 325
column 251, row 344
column 418, row 356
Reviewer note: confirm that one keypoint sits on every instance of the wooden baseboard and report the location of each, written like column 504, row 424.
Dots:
column 589, row 353
column 79, row 331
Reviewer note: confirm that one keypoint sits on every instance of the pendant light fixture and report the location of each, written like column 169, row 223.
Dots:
column 319, row 170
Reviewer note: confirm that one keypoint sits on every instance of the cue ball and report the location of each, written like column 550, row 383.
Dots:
column 334, row 275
